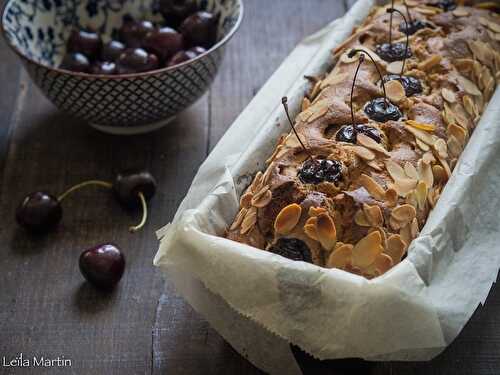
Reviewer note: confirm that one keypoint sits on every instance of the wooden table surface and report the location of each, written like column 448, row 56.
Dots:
column 144, row 327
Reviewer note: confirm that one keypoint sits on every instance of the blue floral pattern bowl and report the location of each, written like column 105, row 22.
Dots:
column 120, row 104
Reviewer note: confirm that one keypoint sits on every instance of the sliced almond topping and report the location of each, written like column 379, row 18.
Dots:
column 306, row 103
column 391, row 197
column 433, row 197
column 373, row 164
column 414, row 228
column 468, row 86
column 441, row 148
column 368, row 142
column 318, row 114
column 287, row 219
column 396, row 248
column 263, row 200
column 373, row 215
column 367, row 249
column 405, row 233
column 404, row 186
column 315, row 211
column 448, row 95
column 341, row 257
column 421, row 126
column 239, row 218
column 422, row 145
column 361, row 219
column 495, row 27
column 425, row 173
column 362, row 152
column 257, row 182
column 372, row 187
column 411, row 198
column 483, row 21
column 312, row 221
column 383, row 263
column 249, row 221
column 460, row 12
column 421, row 135
column 246, row 199
column 428, row 10
column 421, row 194
column 429, row 63
column 446, row 167
column 428, row 158
column 394, row 224
column 439, row 173
column 395, row 91
column 395, row 170
column 315, row 90
column 394, row 67
column 458, row 132
column 327, row 234
column 412, row 3
column 333, row 79
column 404, row 213
column 454, row 146
column 411, row 171
column 311, row 231
column 469, row 105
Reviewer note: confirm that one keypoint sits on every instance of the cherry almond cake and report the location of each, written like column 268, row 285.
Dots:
column 377, row 138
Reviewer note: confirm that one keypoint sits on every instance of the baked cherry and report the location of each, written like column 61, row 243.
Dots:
column 382, row 110
column 76, row 62
column 84, row 41
column 413, row 26
column 393, row 52
column 103, row 265
column 136, row 60
column 164, row 42
column 348, row 133
column 132, row 32
column 39, row 212
column 446, row 5
column 197, row 50
column 103, row 67
column 175, row 11
column 200, row 29
column 315, row 171
column 112, row 50
column 180, row 57
column 411, row 84
column 292, row 248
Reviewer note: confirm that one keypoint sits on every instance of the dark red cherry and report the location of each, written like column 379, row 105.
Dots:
column 164, row 42
column 392, row 52
column 382, row 111
column 413, row 26
column 39, row 212
column 103, row 265
column 411, row 84
column 128, row 184
column 369, row 131
column 104, row 67
column 292, row 248
column 84, row 41
column 200, row 29
column 348, row 133
column 446, row 5
column 315, row 171
column 180, row 57
column 112, row 50
column 75, row 62
column 175, row 11
column 132, row 32
column 136, row 60
column 198, row 50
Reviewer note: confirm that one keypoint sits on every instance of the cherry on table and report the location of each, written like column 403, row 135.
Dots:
column 103, row 265
column 292, row 248
column 112, row 50
column 200, row 29
column 130, row 183
column 103, row 67
column 393, row 52
column 175, row 11
column 180, row 57
column 164, row 42
column 39, row 212
column 382, row 110
column 76, row 62
column 411, row 84
column 136, row 60
column 84, row 41
column 132, row 32
column 315, row 171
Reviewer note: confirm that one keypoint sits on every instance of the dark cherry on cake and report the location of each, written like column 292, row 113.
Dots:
column 136, row 60
column 315, row 171
column 132, row 32
column 348, row 133
column 102, row 266
column 411, row 84
column 393, row 51
column 76, row 62
column 382, row 110
column 413, row 26
column 164, row 42
column 112, row 50
column 86, row 42
column 200, row 29
column 292, row 248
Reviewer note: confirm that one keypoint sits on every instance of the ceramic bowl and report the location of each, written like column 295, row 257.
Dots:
column 121, row 104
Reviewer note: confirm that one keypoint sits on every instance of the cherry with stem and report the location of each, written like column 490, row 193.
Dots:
column 394, row 10
column 284, row 101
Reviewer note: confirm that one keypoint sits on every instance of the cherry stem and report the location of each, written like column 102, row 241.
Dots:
column 354, row 51
column 361, row 59
column 392, row 10
column 104, row 184
column 284, row 101
column 410, row 20
column 390, row 25
column 137, row 227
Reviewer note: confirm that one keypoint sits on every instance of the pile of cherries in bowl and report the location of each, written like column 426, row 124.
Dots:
column 143, row 46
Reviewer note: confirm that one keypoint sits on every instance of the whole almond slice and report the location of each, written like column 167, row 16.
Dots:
column 414, row 228
column 373, row 215
column 395, row 91
column 246, row 199
column 373, row 164
column 263, row 200
column 327, row 234
column 483, row 21
column 394, row 67
column 429, row 63
column 368, row 142
column 315, row 211
column 439, row 174
column 468, row 86
column 383, row 263
column 367, row 249
column 495, row 27
column 420, row 134
column 425, row 173
column 395, row 170
column 311, row 232
column 373, row 188
column 362, row 152
column 448, row 95
column 306, row 103
column 411, row 171
column 441, row 148
column 411, row 198
column 446, row 167
column 361, row 219
column 249, row 221
column 421, row 125
column 239, row 218
column 405, row 234
column 460, row 12
column 454, row 146
column 391, row 197
column 404, row 185
column 421, row 194
column 458, row 132
column 287, row 219
column 404, row 213
column 422, row 145
column 340, row 257
column 396, row 248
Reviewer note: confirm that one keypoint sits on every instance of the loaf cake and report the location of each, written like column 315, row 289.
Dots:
column 352, row 190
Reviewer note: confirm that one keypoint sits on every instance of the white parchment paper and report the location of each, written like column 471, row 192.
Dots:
column 260, row 302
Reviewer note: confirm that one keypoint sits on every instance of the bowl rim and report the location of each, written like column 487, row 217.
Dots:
column 216, row 46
